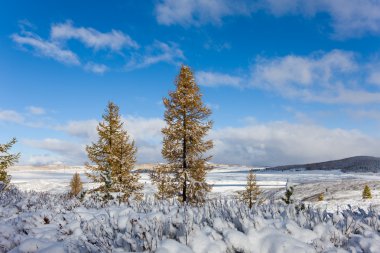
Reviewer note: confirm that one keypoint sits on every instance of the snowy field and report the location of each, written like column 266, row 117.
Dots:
column 37, row 221
column 342, row 188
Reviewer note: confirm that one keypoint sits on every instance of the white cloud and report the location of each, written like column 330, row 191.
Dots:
column 214, row 79
column 36, row 110
column 254, row 143
column 11, row 116
column 197, row 12
column 70, row 152
column 114, row 40
column 218, row 47
column 365, row 114
column 145, row 131
column 303, row 71
column 85, row 129
column 55, row 47
column 349, row 18
column 332, row 77
column 284, row 143
column 96, row 68
column 45, row 159
column 45, row 48
column 374, row 78
column 156, row 53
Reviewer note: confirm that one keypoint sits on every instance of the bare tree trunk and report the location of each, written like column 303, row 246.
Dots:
column 184, row 162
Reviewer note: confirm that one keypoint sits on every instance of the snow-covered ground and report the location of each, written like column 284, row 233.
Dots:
column 47, row 220
column 41, row 222
column 226, row 180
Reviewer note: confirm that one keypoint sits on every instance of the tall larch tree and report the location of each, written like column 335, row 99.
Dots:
column 7, row 160
column 113, row 157
column 184, row 144
column 251, row 193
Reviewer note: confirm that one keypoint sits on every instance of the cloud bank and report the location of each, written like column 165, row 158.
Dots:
column 254, row 143
column 348, row 18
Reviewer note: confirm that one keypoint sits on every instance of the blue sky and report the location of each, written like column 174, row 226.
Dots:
column 288, row 81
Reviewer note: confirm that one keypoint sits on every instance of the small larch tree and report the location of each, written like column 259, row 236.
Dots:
column 76, row 184
column 113, row 157
column 162, row 179
column 367, row 192
column 126, row 181
column 6, row 160
column 252, row 191
column 184, row 144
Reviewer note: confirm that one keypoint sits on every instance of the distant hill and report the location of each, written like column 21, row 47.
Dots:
column 351, row 164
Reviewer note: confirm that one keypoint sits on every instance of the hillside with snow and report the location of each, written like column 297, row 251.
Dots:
column 351, row 164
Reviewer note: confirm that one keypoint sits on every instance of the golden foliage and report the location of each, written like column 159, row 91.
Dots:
column 76, row 185
column 161, row 177
column 113, row 158
column 184, row 143
column 367, row 192
column 251, row 193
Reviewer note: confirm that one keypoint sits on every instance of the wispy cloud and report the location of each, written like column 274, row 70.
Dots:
column 45, row 48
column 114, row 40
column 325, row 77
column 32, row 117
column 358, row 17
column 331, row 77
column 156, row 53
column 199, row 12
column 214, row 79
column 35, row 110
column 96, row 68
column 11, row 116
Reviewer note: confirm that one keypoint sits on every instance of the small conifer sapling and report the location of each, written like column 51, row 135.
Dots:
column 251, row 193
column 367, row 192
column 6, row 160
column 76, row 185
column 288, row 195
column 321, row 196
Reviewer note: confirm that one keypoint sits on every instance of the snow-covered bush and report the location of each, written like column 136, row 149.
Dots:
column 42, row 222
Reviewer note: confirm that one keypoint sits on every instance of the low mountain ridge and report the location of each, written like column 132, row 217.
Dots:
column 351, row 164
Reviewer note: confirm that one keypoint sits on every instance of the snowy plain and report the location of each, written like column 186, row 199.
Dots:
column 37, row 216
column 342, row 188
